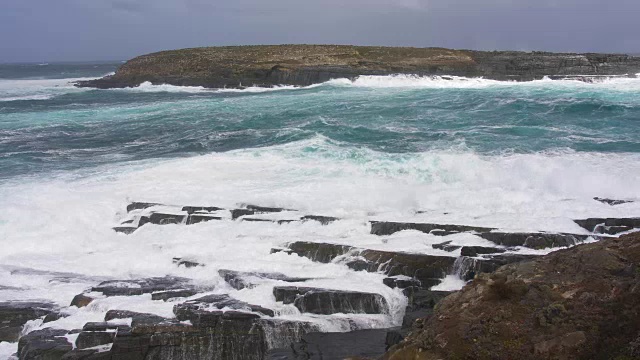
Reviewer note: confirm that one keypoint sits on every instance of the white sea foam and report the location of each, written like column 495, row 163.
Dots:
column 69, row 229
column 400, row 81
column 458, row 82
column 37, row 89
column 151, row 88
column 7, row 350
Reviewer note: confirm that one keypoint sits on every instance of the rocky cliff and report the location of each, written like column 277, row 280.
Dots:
column 269, row 65
column 578, row 303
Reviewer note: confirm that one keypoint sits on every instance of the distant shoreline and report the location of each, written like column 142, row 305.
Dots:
column 303, row 65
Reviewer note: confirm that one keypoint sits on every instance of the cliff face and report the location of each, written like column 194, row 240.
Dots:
column 238, row 66
column 579, row 303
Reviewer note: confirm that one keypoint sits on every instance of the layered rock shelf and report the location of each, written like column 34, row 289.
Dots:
column 302, row 65
column 578, row 303
column 211, row 319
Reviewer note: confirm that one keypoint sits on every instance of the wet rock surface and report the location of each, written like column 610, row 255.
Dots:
column 241, row 279
column 468, row 268
column 269, row 65
column 533, row 240
column 612, row 202
column 223, row 327
column 327, row 302
column 388, row 228
column 600, row 225
column 13, row 316
column 578, row 303
column 44, row 344
column 143, row 286
column 360, row 344
column 143, row 213
column 219, row 335
column 479, row 250
column 197, row 309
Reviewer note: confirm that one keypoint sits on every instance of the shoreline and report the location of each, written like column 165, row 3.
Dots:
column 304, row 65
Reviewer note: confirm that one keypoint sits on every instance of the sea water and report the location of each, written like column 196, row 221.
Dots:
column 517, row 156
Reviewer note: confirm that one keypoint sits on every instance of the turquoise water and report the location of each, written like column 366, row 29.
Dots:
column 519, row 157
column 47, row 125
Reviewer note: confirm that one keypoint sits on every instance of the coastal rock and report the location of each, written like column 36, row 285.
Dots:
column 327, row 302
column 401, row 282
column 96, row 334
column 303, row 65
column 199, row 310
column 81, row 300
column 577, row 303
column 240, row 280
column 612, row 202
column 420, row 304
column 194, row 209
column 236, row 213
column 13, row 316
column 158, row 218
column 140, row 206
column 143, row 286
column 265, row 209
column 359, row 344
column 468, row 267
column 533, row 240
column 198, row 218
column 324, row 220
column 185, row 262
column 428, row 269
column 172, row 294
column 479, row 250
column 388, row 228
column 592, row 224
column 44, row 344
column 446, row 246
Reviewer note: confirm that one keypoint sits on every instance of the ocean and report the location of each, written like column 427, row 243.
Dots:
column 515, row 156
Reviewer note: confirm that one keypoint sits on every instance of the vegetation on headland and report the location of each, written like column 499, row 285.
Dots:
column 270, row 65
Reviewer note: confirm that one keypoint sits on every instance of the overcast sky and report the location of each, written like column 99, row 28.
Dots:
column 67, row 30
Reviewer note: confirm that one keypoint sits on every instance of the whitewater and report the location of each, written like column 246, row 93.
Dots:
column 515, row 156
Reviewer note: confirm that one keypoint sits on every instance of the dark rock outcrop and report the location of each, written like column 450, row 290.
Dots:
column 359, row 344
column 185, row 262
column 327, row 302
column 324, row 220
column 172, row 294
column 225, row 335
column 446, row 246
column 539, row 240
column 44, row 344
column 13, row 316
column 198, row 310
column 388, row 228
column 533, row 240
column 612, row 202
column 608, row 225
column 468, row 267
column 269, row 65
column 428, row 269
column 479, row 250
column 81, row 300
column 143, row 286
column 240, row 279
column 577, row 303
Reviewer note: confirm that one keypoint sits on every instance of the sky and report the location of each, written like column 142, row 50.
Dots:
column 87, row 30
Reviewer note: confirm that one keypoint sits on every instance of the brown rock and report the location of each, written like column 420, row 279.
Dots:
column 81, row 300
column 577, row 303
column 269, row 65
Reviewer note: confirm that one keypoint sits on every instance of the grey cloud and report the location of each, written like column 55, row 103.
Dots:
column 44, row 30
